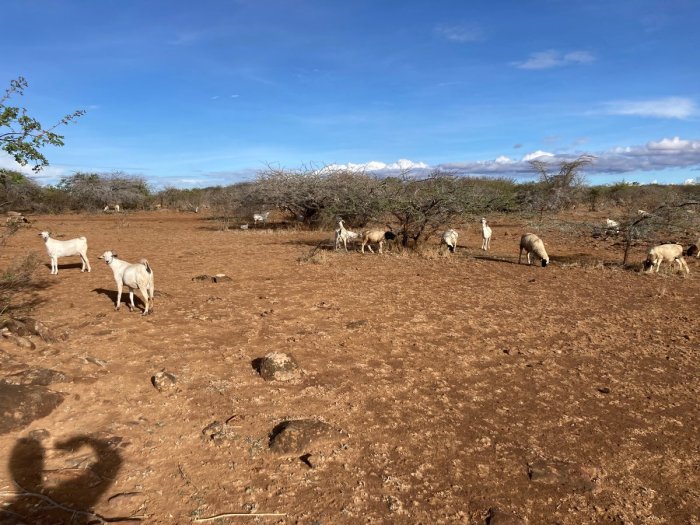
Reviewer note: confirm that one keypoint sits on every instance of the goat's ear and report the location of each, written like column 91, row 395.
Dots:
column 114, row 254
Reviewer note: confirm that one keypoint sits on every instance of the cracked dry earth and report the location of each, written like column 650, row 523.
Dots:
column 431, row 389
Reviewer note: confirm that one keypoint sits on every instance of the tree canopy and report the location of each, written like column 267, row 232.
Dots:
column 23, row 136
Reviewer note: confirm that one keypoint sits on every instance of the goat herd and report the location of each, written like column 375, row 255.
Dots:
column 529, row 242
column 140, row 275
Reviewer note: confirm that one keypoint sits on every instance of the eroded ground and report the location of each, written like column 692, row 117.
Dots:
column 450, row 385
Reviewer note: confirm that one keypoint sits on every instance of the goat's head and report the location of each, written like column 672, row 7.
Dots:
column 108, row 256
column 44, row 235
column 545, row 262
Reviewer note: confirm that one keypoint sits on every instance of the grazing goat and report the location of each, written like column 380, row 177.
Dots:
column 58, row 249
column 374, row 236
column 531, row 243
column 485, row 235
column 665, row 252
column 139, row 275
column 611, row 225
column 450, row 239
column 343, row 235
column 260, row 217
column 110, row 207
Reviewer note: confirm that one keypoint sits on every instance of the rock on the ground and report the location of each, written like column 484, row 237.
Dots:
column 163, row 380
column 300, row 437
column 564, row 474
column 499, row 517
column 22, row 404
column 279, row 366
column 35, row 376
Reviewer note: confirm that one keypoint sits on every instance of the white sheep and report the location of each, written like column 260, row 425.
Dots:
column 344, row 235
column 69, row 248
column 449, row 238
column 373, row 236
column 260, row 217
column 139, row 275
column 485, row 235
column 665, row 252
column 531, row 243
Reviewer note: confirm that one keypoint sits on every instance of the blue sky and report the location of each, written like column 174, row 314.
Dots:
column 204, row 93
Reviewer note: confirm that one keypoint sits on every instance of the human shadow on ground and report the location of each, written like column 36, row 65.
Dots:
column 67, row 501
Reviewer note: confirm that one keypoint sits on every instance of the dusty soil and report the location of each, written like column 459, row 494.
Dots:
column 433, row 388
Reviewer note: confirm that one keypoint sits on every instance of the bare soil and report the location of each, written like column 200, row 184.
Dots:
column 434, row 388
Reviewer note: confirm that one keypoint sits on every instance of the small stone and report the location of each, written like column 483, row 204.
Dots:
column 562, row 473
column 38, row 328
column 352, row 325
column 217, row 432
column 16, row 327
column 604, row 390
column 221, row 278
column 163, row 380
column 499, row 517
column 278, row 366
column 304, row 438
column 36, row 376
column 201, row 278
column 20, row 341
column 40, row 434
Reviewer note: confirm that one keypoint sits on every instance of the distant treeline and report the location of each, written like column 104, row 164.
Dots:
column 318, row 197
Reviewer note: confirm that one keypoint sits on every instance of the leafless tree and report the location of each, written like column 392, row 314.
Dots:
column 558, row 191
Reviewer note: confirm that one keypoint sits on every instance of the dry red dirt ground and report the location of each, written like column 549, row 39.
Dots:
column 451, row 386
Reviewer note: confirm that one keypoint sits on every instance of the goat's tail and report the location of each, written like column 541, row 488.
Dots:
column 148, row 266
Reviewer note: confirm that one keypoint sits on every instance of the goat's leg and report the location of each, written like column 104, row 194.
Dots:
column 131, row 299
column 86, row 261
column 144, row 296
column 119, row 295
column 520, row 255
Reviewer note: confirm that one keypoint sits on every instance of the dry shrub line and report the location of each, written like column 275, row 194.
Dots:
column 75, row 512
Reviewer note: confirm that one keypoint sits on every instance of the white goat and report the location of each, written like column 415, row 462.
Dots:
column 261, row 217
column 665, row 252
column 612, row 225
column 343, row 235
column 139, row 275
column 485, row 235
column 449, row 238
column 531, row 243
column 109, row 207
column 69, row 248
column 373, row 236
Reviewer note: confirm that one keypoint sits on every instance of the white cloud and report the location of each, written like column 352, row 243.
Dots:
column 667, row 153
column 49, row 173
column 552, row 58
column 689, row 182
column 375, row 166
column 670, row 107
column 460, row 33
column 536, row 155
